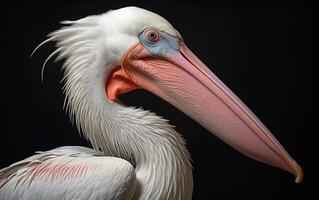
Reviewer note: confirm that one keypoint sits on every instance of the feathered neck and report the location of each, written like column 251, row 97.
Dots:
column 158, row 153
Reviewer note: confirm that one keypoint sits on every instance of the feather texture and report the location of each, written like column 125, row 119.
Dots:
column 68, row 173
column 91, row 47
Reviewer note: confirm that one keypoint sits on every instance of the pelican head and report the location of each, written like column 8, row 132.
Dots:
column 130, row 48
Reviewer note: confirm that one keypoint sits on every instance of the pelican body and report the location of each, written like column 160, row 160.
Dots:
column 136, row 154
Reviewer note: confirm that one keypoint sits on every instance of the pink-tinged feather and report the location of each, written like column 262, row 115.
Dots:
column 62, row 171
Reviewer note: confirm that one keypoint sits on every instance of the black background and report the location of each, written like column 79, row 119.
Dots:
column 262, row 51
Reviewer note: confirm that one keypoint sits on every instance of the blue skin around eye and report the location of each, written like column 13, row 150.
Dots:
column 164, row 45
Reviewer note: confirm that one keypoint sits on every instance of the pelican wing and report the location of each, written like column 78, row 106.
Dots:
column 69, row 172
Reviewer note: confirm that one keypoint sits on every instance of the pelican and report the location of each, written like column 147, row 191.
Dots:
column 136, row 154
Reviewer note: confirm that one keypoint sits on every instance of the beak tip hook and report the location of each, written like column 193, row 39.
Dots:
column 299, row 175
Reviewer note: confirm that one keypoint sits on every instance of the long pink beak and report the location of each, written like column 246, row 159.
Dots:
column 185, row 82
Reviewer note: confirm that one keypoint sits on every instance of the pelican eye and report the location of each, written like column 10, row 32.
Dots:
column 152, row 35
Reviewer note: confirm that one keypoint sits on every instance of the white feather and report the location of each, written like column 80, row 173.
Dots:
column 92, row 47
column 68, row 173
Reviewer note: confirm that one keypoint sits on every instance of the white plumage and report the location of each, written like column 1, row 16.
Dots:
column 91, row 48
column 68, row 173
